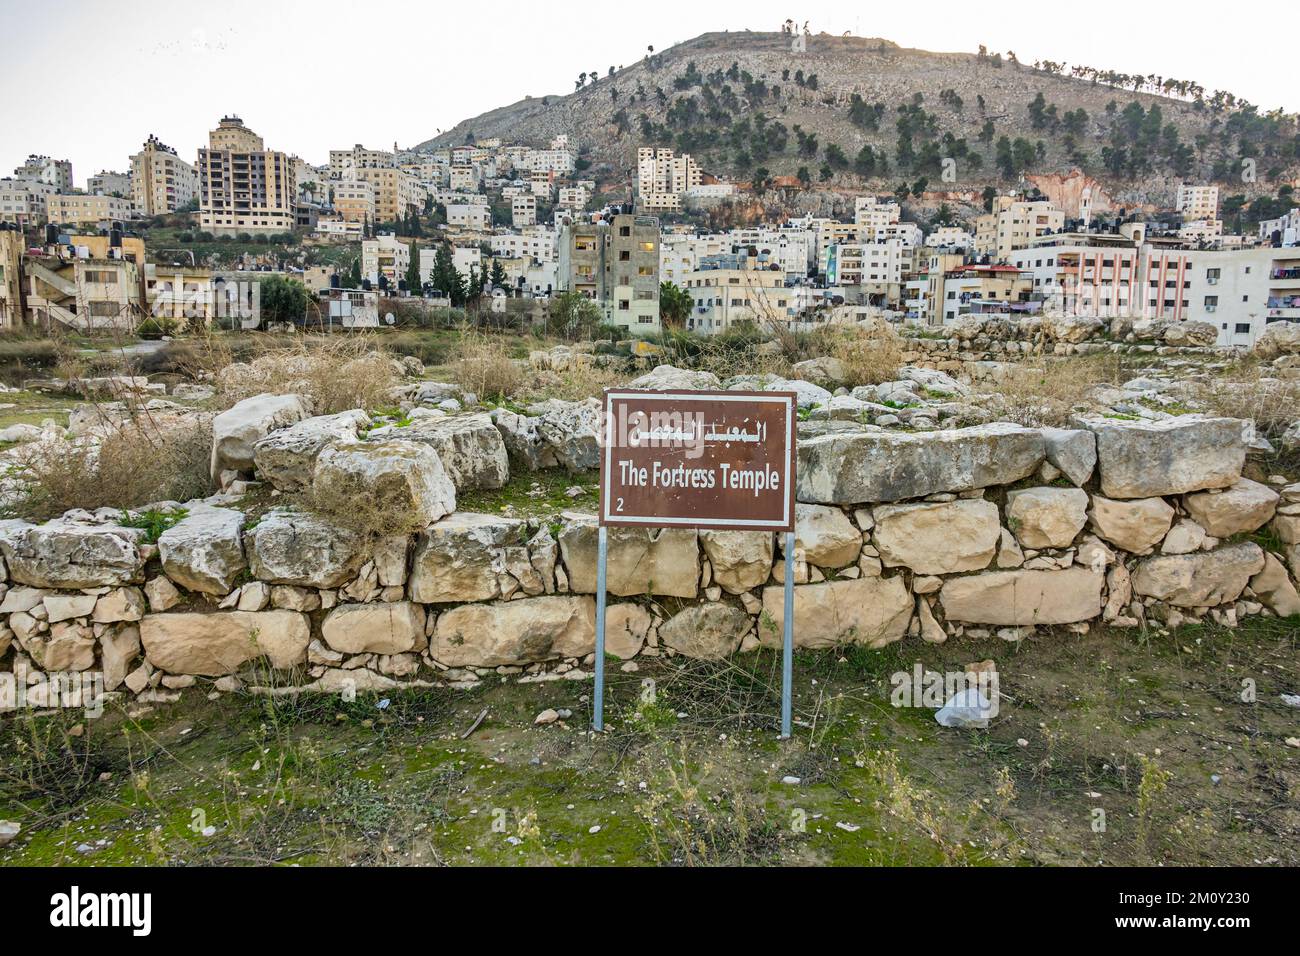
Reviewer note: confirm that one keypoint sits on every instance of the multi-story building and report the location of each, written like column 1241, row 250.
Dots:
column 161, row 182
column 84, row 209
column 465, row 178
column 1013, row 223
column 354, row 200
column 107, row 183
column 396, row 194
column 523, row 211
column 727, row 296
column 536, row 243
column 43, row 169
column 1283, row 231
column 662, row 178
column 616, row 263
column 1086, row 274
column 11, row 278
column 23, row 201
column 474, row 216
column 1198, row 202
column 384, row 257
column 573, row 197
column 872, row 216
column 91, row 283
column 983, row 290
column 184, row 295
column 344, row 163
column 243, row 186
column 874, row 268
column 827, row 233
column 950, row 237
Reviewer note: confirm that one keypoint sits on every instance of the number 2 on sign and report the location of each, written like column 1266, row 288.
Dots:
column 620, row 505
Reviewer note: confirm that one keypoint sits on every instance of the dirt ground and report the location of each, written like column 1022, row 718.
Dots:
column 1149, row 728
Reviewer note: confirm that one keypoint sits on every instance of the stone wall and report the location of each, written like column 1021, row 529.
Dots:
column 901, row 536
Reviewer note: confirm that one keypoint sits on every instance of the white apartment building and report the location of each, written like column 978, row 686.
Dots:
column 537, row 244
column 827, row 233
column 790, row 249
column 384, row 256
column 549, row 161
column 1013, row 223
column 161, row 182
column 1208, row 231
column 523, row 211
column 573, row 197
column 680, row 255
column 108, row 183
column 51, row 172
column 464, row 178
column 725, row 297
column 354, row 200
column 1198, row 202
column 872, row 216
column 1284, row 230
column 663, row 178
column 878, row 264
column 950, row 237
column 470, row 216
column 1081, row 274
column 467, row 260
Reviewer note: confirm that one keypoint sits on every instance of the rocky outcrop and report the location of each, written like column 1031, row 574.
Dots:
column 659, row 561
column 69, row 555
column 406, row 477
column 236, row 430
column 472, row 451
column 287, row 458
column 288, row 547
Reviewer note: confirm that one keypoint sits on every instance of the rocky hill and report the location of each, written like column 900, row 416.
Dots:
column 853, row 109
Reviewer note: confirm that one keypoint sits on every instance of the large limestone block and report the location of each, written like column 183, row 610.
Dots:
column 236, row 430
column 1023, row 597
column 523, row 440
column 741, row 560
column 1273, row 586
column 286, row 547
column 871, row 611
column 1141, row 459
column 1047, row 517
column 375, row 628
column 860, row 467
column 661, row 561
column 571, row 430
column 473, row 452
column 515, row 632
column 1136, row 526
column 710, row 631
column 286, row 458
column 1073, row 451
column 204, row 551
column 405, row 475
column 627, row 625
column 1245, row 506
column 938, row 537
column 669, row 378
column 210, row 645
column 71, row 556
column 1204, row 579
column 824, row 536
column 462, row 557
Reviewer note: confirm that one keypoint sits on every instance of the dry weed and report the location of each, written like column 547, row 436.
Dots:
column 337, row 374
column 483, row 366
column 1043, row 392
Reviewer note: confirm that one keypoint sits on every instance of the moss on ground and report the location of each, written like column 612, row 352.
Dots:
column 1152, row 728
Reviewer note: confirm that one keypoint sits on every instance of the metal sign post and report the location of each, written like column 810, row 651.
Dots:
column 705, row 460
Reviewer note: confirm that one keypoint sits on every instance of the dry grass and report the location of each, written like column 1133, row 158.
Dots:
column 483, row 366
column 337, row 374
column 139, row 461
column 1042, row 392
column 371, row 510
column 1247, row 389
column 870, row 355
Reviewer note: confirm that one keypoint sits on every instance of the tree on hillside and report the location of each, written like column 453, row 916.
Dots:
column 497, row 275
column 282, row 300
column 674, row 305
column 413, row 282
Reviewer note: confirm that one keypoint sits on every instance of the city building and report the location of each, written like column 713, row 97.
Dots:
column 1197, row 202
column 523, row 211
column 616, row 263
column 108, row 183
column 354, row 200
column 397, row 194
column 244, row 187
column 474, row 216
column 51, row 172
column 161, row 182
column 663, row 178
column 11, row 277
column 23, row 201
column 1013, row 223
column 384, row 257
column 78, row 209
column 87, row 283
column 344, row 163
column 724, row 297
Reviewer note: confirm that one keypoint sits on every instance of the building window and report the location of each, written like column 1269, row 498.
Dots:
column 1243, row 328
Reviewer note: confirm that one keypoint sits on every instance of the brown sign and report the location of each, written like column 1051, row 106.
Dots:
column 689, row 459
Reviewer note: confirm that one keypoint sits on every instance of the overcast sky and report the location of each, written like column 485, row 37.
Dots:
column 90, row 81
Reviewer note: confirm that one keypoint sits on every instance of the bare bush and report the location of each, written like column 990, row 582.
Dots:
column 870, row 354
column 484, row 367
column 136, row 462
column 1043, row 392
column 335, row 374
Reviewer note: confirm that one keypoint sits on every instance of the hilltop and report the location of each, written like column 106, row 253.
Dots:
column 854, row 109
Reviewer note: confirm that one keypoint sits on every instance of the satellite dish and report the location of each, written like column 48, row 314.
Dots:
column 389, row 318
